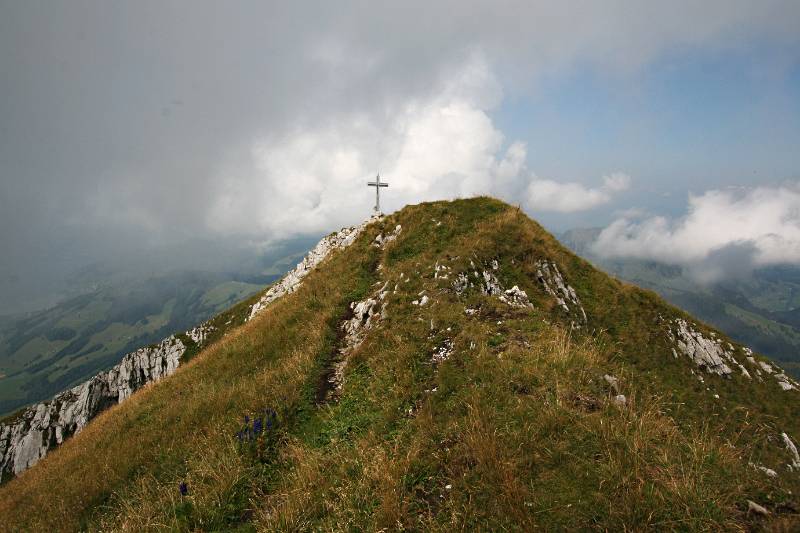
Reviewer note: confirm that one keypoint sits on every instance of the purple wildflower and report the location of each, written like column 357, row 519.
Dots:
column 183, row 488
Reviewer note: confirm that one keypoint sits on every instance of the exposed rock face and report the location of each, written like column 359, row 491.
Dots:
column 516, row 297
column 785, row 382
column 553, row 283
column 292, row 280
column 200, row 333
column 715, row 357
column 381, row 240
column 547, row 274
column 490, row 284
column 422, row 301
column 792, row 449
column 753, row 507
column 461, row 283
column 41, row 427
column 365, row 314
column 708, row 354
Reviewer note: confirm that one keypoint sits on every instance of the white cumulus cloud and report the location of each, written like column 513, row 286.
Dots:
column 446, row 146
column 549, row 195
column 724, row 230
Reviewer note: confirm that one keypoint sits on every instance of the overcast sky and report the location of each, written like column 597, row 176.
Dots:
column 128, row 125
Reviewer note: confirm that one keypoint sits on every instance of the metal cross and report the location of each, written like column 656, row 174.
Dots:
column 377, row 184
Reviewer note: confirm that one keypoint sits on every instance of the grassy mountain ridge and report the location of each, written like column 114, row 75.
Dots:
column 760, row 310
column 438, row 407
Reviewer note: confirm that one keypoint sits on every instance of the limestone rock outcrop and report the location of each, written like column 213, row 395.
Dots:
column 516, row 297
column 366, row 314
column 292, row 280
column 554, row 284
column 717, row 357
column 707, row 353
column 41, row 427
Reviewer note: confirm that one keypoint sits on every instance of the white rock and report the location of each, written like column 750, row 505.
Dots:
column 620, row 399
column 612, row 382
column 43, row 426
column 783, row 382
column 422, row 301
column 490, row 284
column 444, row 352
column 461, row 283
column 440, row 271
column 201, row 332
column 768, row 471
column 792, row 449
column 381, row 241
column 753, row 507
column 766, row 367
column 553, row 283
column 292, row 280
column 366, row 314
column 744, row 371
column 706, row 353
column 516, row 297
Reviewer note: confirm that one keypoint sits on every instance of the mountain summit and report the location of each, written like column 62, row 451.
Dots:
column 448, row 366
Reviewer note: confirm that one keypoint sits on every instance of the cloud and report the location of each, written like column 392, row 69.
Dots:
column 724, row 231
column 548, row 195
column 444, row 147
column 131, row 122
column 313, row 178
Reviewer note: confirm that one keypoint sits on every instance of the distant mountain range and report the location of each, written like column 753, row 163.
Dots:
column 761, row 310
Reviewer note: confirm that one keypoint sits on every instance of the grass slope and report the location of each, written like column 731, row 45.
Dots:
column 514, row 431
column 759, row 309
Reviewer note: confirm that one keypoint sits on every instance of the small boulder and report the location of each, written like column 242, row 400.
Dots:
column 612, row 382
column 753, row 507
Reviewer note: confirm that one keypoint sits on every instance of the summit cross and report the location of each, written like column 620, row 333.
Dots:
column 377, row 184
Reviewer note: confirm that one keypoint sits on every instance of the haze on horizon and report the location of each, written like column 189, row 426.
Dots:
column 130, row 127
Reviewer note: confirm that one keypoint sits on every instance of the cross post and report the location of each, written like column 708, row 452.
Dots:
column 377, row 184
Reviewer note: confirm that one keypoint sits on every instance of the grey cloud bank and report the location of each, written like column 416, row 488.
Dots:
column 129, row 125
